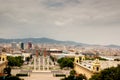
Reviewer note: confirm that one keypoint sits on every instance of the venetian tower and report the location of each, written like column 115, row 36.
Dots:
column 41, row 61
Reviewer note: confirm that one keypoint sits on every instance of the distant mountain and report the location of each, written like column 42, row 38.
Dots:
column 52, row 41
column 42, row 40
column 113, row 46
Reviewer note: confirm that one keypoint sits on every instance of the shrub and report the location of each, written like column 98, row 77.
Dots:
column 21, row 74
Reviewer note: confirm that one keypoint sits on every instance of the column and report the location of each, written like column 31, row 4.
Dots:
column 34, row 63
column 47, row 63
column 39, row 63
column 43, row 63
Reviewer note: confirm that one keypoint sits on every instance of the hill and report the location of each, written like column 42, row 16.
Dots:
column 52, row 41
column 41, row 40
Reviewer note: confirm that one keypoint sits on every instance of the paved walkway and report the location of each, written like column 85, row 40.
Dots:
column 41, row 76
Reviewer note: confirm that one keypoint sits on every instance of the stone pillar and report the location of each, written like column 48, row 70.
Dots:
column 34, row 62
column 39, row 63
column 43, row 63
column 47, row 63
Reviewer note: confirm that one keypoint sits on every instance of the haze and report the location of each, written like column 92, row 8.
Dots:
column 87, row 21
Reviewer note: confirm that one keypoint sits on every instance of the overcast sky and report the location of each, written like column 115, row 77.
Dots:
column 86, row 21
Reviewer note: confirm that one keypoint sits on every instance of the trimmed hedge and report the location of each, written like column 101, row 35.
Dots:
column 60, row 75
column 21, row 74
column 9, row 78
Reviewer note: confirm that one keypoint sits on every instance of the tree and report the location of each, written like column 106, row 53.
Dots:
column 13, row 78
column 65, row 62
column 72, row 72
column 15, row 61
column 112, row 73
column 74, row 76
column 7, row 70
column 9, row 78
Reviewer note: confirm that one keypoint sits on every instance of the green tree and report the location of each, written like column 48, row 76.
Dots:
column 112, row 73
column 72, row 72
column 13, row 78
column 9, row 78
column 7, row 70
column 74, row 76
column 15, row 61
column 65, row 62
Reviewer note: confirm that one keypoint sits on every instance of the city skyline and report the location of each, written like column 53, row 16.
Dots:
column 86, row 21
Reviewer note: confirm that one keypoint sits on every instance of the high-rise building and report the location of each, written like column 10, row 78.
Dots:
column 29, row 45
column 22, row 45
column 14, row 45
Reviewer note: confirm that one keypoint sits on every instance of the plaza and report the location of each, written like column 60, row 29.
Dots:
column 41, row 76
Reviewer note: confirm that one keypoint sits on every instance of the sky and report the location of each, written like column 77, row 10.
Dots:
column 85, row 21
